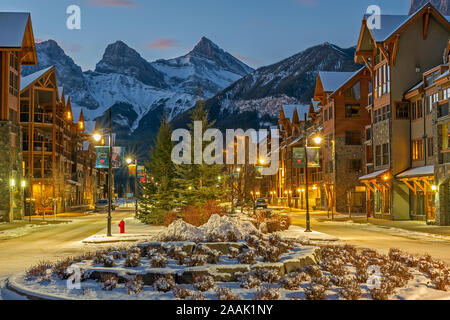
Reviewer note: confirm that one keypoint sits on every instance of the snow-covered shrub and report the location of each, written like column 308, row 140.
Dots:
column 213, row 257
column 233, row 252
column 135, row 285
column 313, row 271
column 274, row 239
column 158, row 261
column 110, row 282
column 397, row 269
column 362, row 274
column 196, row 296
column 60, row 269
column 182, row 292
column 132, row 260
column 38, row 270
column 249, row 281
column 246, row 257
column 267, row 275
column 108, row 262
column 324, row 281
column 315, row 292
column 261, row 249
column 181, row 257
column 343, row 281
column 252, row 240
column 100, row 256
column 152, row 252
column 226, row 294
column 278, row 223
column 351, row 291
column 116, row 255
column 291, row 281
column 272, row 254
column 164, row 283
column 441, row 282
column 382, row 292
column 135, row 250
column 46, row 277
column 335, row 266
column 265, row 293
column 203, row 283
column 196, row 260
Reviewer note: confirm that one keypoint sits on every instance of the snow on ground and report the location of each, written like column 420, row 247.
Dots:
column 219, row 226
column 26, row 229
column 423, row 236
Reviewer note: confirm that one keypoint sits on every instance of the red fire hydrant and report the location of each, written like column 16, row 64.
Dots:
column 122, row 226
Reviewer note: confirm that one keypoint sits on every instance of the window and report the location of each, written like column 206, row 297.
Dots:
column 354, row 165
column 379, row 82
column 417, row 150
column 446, row 94
column 384, row 80
column 353, row 138
column 413, row 111
column 378, row 155
column 352, row 110
column 330, row 113
column 354, row 93
column 419, row 109
column 385, row 154
column 325, row 115
column 402, row 110
column 430, row 147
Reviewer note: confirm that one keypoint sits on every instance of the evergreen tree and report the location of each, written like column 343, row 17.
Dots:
column 158, row 197
column 198, row 182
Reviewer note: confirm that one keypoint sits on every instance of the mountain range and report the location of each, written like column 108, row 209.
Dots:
column 140, row 92
column 442, row 5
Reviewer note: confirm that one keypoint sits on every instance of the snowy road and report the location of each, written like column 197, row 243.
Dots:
column 53, row 242
column 382, row 239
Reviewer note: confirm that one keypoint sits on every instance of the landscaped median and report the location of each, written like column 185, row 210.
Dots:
column 228, row 259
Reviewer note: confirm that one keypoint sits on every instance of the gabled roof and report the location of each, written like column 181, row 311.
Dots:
column 332, row 81
column 417, row 172
column 290, row 110
column 390, row 26
column 348, row 80
column 25, row 82
column 16, row 32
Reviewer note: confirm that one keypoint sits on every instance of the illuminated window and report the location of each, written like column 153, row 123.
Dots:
column 417, row 150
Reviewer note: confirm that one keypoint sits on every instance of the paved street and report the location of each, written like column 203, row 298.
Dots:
column 379, row 238
column 53, row 242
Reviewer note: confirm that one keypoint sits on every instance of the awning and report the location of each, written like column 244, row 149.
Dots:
column 417, row 172
column 373, row 175
column 420, row 178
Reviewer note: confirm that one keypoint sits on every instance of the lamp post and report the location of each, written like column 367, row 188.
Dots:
column 97, row 138
column 317, row 141
column 129, row 161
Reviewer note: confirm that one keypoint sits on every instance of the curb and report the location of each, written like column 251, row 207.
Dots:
column 12, row 285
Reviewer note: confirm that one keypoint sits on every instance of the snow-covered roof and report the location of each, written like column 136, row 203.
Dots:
column 301, row 111
column 348, row 80
column 417, row 86
column 60, row 92
column 296, row 140
column 26, row 81
column 331, row 81
column 446, row 73
column 373, row 175
column 417, row 172
column 13, row 26
column 315, row 105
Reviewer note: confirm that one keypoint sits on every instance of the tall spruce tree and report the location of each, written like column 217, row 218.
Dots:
column 198, row 183
column 158, row 197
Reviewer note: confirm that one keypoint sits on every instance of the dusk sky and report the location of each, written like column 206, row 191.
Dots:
column 259, row 32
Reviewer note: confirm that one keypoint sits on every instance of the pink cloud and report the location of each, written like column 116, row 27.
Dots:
column 162, row 44
column 112, row 3
column 307, row 3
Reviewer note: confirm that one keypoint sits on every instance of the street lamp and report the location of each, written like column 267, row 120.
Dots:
column 98, row 137
column 129, row 161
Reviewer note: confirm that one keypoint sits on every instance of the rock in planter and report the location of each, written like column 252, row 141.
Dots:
column 277, row 266
column 298, row 260
column 228, row 273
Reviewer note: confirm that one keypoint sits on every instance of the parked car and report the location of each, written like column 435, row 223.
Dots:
column 260, row 203
column 102, row 205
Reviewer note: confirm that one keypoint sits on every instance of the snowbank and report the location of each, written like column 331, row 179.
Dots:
column 217, row 225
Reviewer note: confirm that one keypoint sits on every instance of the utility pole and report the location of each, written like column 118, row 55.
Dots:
column 308, row 221
column 109, row 234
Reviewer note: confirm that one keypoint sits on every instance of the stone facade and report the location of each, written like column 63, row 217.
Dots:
column 10, row 170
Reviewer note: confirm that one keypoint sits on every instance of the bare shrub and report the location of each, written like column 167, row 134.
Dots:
column 249, row 281
column 110, row 282
column 246, row 257
column 204, row 283
column 158, row 261
column 182, row 292
column 267, row 275
column 38, row 270
column 351, row 291
column 233, row 253
column 132, row 260
column 169, row 218
column 441, row 282
column 267, row 294
column 315, row 292
column 226, row 294
column 324, row 281
column 382, row 292
column 196, row 260
column 291, row 281
column 135, row 285
column 164, row 283
column 272, row 254
column 60, row 269
column 313, row 271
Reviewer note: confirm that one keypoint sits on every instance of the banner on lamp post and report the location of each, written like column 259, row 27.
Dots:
column 298, row 157
column 102, row 157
